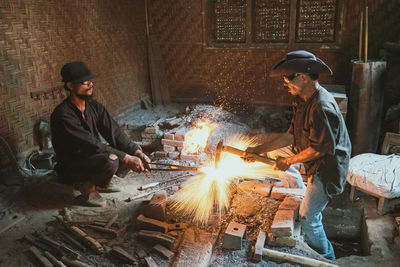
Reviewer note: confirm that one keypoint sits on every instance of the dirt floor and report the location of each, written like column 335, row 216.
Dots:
column 38, row 201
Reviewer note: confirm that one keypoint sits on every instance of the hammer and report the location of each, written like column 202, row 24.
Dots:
column 221, row 148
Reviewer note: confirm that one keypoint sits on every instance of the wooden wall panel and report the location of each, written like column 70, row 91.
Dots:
column 38, row 36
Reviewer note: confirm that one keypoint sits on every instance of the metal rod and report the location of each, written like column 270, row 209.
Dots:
column 360, row 37
column 175, row 170
column 172, row 165
column 151, row 185
column 366, row 34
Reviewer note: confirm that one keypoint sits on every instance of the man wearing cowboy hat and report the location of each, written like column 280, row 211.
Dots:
column 76, row 126
column 319, row 138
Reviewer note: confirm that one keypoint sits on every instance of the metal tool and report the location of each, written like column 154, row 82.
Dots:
column 151, row 185
column 221, row 148
column 174, row 167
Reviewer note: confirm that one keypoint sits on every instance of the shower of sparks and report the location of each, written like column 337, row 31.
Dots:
column 209, row 192
column 196, row 139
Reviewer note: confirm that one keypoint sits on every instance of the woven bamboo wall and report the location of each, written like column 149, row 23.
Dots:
column 241, row 75
column 38, row 36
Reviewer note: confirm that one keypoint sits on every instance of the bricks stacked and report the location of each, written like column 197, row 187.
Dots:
column 149, row 135
column 173, row 144
column 285, row 229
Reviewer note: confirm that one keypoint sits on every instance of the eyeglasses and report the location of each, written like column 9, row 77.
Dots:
column 288, row 78
column 86, row 82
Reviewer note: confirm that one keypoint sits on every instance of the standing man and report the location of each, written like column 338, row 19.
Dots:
column 319, row 138
column 77, row 125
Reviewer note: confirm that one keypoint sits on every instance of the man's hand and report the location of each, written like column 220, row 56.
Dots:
column 249, row 154
column 145, row 159
column 133, row 162
column 282, row 164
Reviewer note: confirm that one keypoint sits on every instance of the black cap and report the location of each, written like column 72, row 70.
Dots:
column 76, row 72
column 300, row 61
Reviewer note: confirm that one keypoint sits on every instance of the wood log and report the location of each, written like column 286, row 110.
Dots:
column 295, row 258
column 42, row 259
column 53, row 259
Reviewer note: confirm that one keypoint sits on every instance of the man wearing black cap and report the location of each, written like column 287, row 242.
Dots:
column 76, row 126
column 319, row 139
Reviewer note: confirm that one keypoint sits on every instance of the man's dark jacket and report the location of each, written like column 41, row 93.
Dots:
column 75, row 138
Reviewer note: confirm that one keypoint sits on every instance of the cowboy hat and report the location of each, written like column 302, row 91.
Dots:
column 300, row 61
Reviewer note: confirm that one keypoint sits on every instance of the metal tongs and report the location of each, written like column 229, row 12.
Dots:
column 173, row 167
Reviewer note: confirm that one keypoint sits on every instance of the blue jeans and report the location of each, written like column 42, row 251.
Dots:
column 313, row 204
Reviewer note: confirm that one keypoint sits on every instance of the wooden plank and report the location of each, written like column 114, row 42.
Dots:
column 10, row 220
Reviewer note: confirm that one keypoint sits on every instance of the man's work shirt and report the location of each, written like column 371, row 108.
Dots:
column 76, row 138
column 318, row 123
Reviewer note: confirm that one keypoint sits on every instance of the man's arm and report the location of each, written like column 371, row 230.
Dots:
column 308, row 154
column 281, row 141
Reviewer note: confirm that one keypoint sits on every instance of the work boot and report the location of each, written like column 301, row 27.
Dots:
column 110, row 188
column 90, row 196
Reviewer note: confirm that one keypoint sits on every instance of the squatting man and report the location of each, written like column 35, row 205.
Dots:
column 319, row 140
column 77, row 125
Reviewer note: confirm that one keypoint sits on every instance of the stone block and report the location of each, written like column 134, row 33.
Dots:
column 164, row 252
column 168, row 136
column 280, row 193
column 234, row 234
column 174, row 155
column 172, row 142
column 258, row 248
column 283, row 223
column 161, row 154
column 286, row 241
column 179, row 137
column 150, row 130
column 255, row 187
column 168, row 148
column 156, row 207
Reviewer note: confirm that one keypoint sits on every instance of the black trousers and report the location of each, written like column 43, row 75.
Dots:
column 97, row 169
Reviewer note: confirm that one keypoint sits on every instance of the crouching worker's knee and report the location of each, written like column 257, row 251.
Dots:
column 112, row 164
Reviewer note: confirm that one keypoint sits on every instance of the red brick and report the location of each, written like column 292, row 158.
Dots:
column 255, row 187
column 156, row 208
column 174, row 155
column 291, row 203
column 150, row 130
column 169, row 136
column 179, row 149
column 283, row 223
column 189, row 157
column 179, row 137
column 168, row 148
column 172, row 142
column 234, row 234
column 161, row 154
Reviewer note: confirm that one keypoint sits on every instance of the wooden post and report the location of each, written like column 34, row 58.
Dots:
column 295, row 258
column 365, row 106
column 360, row 37
column 366, row 35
